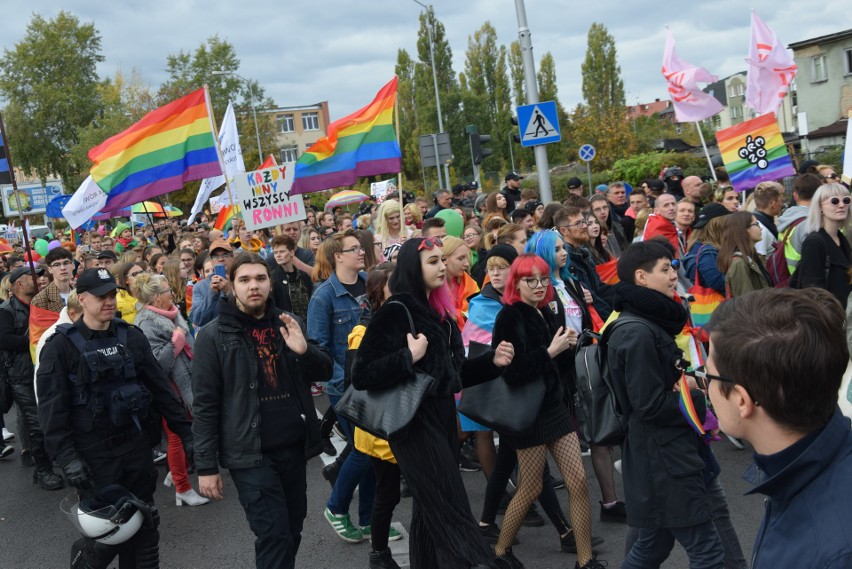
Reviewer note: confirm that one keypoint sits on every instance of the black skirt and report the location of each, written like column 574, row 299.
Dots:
column 444, row 533
column 553, row 422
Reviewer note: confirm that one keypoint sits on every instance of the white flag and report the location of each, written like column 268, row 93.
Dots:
column 87, row 201
column 847, row 156
column 770, row 69
column 232, row 155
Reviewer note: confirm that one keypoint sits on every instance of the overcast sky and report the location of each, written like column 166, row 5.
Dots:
column 343, row 51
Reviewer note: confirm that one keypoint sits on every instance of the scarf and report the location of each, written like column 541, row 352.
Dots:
column 651, row 305
column 172, row 314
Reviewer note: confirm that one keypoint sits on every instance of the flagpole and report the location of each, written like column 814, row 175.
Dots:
column 216, row 140
column 403, row 229
column 18, row 201
column 706, row 152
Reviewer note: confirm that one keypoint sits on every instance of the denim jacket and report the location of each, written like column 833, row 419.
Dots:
column 332, row 313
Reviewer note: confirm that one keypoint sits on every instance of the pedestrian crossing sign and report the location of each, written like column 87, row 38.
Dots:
column 539, row 123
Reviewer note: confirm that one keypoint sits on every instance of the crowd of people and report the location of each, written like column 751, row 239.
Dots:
column 205, row 349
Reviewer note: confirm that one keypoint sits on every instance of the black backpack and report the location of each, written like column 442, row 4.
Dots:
column 600, row 407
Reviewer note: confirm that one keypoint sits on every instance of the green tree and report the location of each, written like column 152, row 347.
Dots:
column 516, row 73
column 408, row 128
column 548, row 91
column 603, row 88
column 51, row 84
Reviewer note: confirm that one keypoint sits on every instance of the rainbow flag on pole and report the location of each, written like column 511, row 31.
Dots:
column 754, row 151
column 168, row 147
column 361, row 144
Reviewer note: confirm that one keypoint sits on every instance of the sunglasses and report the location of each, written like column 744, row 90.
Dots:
column 430, row 243
column 836, row 201
column 831, row 176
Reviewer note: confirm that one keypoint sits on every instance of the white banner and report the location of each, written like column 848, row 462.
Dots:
column 380, row 190
column 87, row 201
column 264, row 197
column 232, row 155
column 218, row 202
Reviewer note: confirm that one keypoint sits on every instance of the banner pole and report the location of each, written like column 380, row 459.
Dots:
column 216, row 139
column 706, row 152
column 403, row 228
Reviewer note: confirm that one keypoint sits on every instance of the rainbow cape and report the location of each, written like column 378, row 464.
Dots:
column 40, row 321
column 608, row 272
column 226, row 217
column 754, row 151
column 361, row 144
column 169, row 146
column 687, row 408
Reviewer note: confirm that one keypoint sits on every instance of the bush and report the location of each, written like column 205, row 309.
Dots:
column 650, row 164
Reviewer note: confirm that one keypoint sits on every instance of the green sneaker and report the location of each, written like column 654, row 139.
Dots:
column 344, row 528
column 393, row 535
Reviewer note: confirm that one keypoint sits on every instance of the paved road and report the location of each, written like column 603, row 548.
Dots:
column 35, row 535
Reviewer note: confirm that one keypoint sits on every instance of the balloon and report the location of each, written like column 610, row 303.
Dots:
column 454, row 224
column 53, row 245
column 40, row 246
column 32, row 256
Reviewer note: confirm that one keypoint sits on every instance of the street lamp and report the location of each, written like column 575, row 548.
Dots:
column 437, row 95
column 253, row 109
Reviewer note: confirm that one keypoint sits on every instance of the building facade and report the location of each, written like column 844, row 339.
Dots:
column 297, row 128
column 731, row 92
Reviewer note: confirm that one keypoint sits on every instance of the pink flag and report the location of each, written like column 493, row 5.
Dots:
column 690, row 102
column 770, row 69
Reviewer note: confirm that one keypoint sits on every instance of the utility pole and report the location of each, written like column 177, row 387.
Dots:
column 541, row 164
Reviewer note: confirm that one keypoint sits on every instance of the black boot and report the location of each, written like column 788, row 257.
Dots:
column 382, row 560
column 330, row 472
column 47, row 479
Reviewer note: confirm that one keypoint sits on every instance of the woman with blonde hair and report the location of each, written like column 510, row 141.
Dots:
column 173, row 271
column 310, row 239
column 508, row 234
column 389, row 223
column 125, row 275
column 171, row 343
column 460, row 284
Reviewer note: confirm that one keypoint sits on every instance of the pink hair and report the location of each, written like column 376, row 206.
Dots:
column 441, row 302
column 525, row 266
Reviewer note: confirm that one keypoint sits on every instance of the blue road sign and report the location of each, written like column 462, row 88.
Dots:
column 587, row 152
column 539, row 123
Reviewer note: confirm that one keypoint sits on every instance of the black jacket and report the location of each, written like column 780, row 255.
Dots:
column 226, row 409
column 281, row 287
column 663, row 467
column 384, row 358
column 68, row 431
column 819, row 251
column 512, row 198
column 582, row 268
column 15, row 340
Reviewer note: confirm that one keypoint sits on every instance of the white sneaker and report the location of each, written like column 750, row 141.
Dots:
column 617, row 465
column 7, row 434
column 190, row 498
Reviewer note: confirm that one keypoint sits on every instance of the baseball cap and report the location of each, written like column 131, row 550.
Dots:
column 512, row 176
column 96, row 281
column 532, row 205
column 108, row 254
column 708, row 212
column 574, row 183
column 656, row 185
column 220, row 244
column 21, row 271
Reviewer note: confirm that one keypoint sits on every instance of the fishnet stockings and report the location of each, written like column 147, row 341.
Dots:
column 566, row 453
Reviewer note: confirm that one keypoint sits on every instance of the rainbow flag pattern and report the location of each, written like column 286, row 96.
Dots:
column 687, row 407
column 40, row 320
column 608, row 272
column 754, row 151
column 168, row 147
column 361, row 144
column 226, row 217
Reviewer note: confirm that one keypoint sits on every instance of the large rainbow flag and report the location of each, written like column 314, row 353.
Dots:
column 168, row 147
column 754, row 151
column 361, row 144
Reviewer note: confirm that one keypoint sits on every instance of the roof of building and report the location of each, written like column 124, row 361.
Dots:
column 648, row 109
column 830, row 38
column 837, row 128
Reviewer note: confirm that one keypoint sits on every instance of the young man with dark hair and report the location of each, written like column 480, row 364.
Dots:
column 291, row 288
column 578, row 201
column 662, row 462
column 343, row 222
column 511, row 191
column 253, row 412
column 775, row 366
column 60, row 264
column 434, row 227
column 523, row 218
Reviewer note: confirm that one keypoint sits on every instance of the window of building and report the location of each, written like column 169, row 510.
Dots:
column 285, row 123
column 847, row 59
column 818, row 69
column 289, row 153
column 736, row 90
column 736, row 112
column 310, row 121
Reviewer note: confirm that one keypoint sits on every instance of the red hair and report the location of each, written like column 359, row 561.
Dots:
column 525, row 266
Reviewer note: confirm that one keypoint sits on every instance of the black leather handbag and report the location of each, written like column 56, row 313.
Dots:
column 385, row 413
column 508, row 409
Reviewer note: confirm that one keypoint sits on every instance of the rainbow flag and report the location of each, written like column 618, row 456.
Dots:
column 687, row 407
column 40, row 320
column 754, row 151
column 608, row 272
column 361, row 144
column 226, row 217
column 169, row 146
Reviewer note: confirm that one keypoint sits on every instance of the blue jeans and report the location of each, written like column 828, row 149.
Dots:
column 357, row 471
column 653, row 546
column 274, row 497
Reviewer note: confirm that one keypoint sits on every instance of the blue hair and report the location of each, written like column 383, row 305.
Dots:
column 543, row 243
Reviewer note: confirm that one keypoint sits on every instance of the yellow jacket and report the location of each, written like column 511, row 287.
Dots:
column 364, row 441
column 126, row 304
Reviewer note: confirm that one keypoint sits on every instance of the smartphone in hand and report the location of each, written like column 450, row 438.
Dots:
column 220, row 270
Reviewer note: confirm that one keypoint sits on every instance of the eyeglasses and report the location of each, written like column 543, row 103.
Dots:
column 168, row 290
column 221, row 257
column 430, row 243
column 357, row 249
column 470, row 236
column 831, row 176
column 836, row 201
column 581, row 223
column 60, row 264
column 543, row 282
column 377, row 244
column 703, row 378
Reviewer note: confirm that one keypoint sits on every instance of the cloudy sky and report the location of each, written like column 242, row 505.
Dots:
column 343, row 51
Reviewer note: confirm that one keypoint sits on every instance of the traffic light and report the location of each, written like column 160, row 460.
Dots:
column 477, row 151
column 515, row 137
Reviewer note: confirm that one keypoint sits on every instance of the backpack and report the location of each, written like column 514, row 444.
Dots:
column 776, row 261
column 602, row 418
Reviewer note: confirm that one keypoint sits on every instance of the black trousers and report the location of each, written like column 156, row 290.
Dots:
column 274, row 497
column 384, row 501
column 23, row 394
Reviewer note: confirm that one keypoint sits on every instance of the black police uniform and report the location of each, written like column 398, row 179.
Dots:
column 98, row 392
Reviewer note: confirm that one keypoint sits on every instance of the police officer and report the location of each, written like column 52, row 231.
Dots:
column 98, row 387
